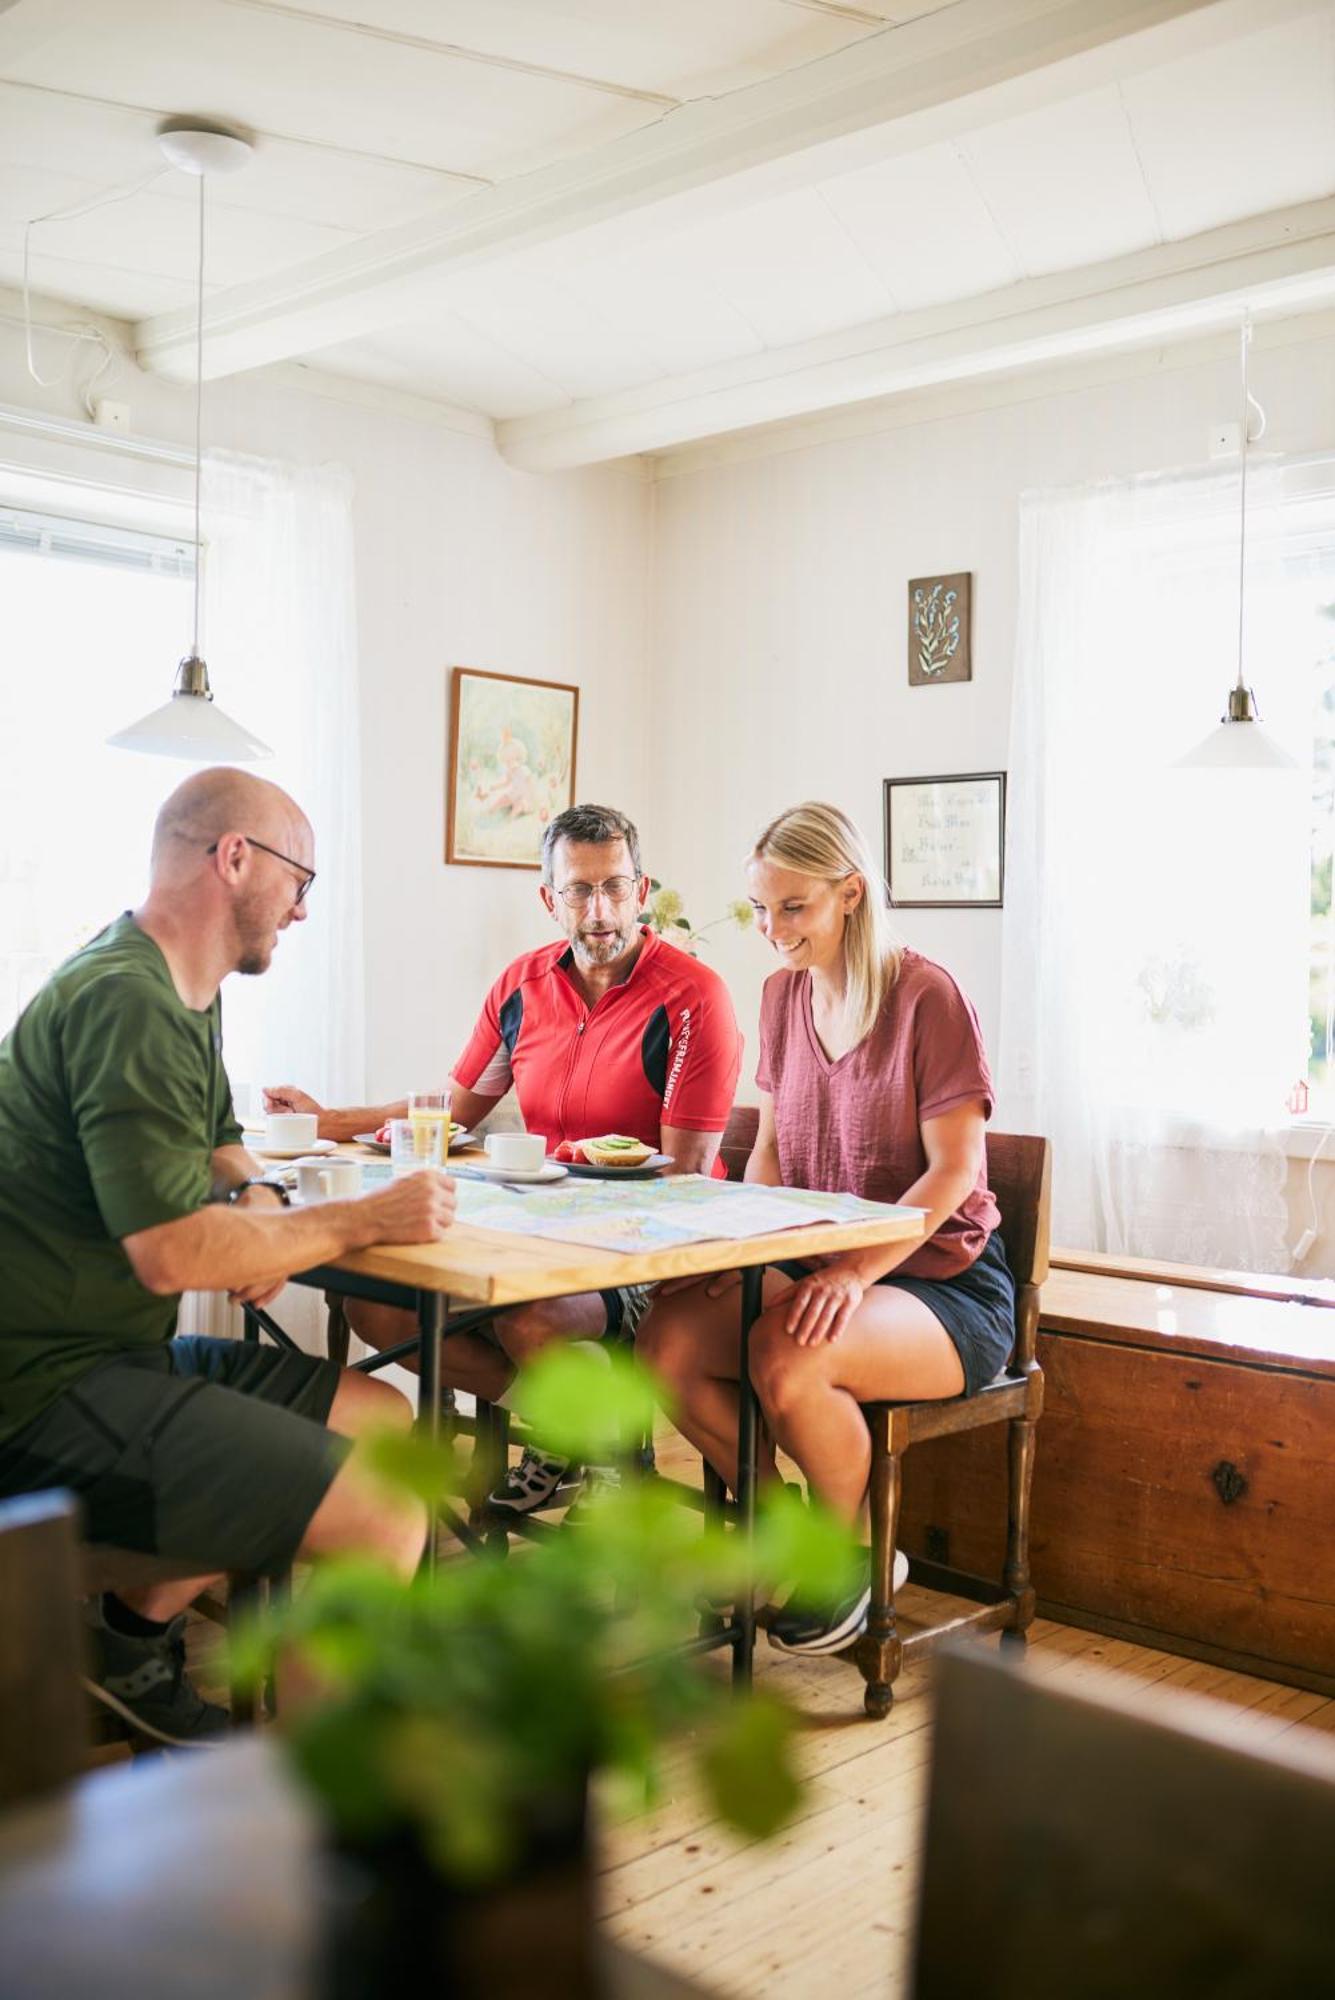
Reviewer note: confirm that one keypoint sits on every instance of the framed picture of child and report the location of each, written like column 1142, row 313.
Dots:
column 511, row 766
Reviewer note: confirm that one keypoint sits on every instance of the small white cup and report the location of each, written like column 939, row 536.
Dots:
column 328, row 1180
column 292, row 1129
column 517, row 1152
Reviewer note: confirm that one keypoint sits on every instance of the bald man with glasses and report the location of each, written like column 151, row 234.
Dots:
column 123, row 1184
column 611, row 1029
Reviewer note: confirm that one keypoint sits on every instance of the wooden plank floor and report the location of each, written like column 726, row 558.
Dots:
column 827, row 1907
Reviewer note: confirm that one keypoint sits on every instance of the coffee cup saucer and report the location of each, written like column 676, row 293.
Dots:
column 550, row 1170
column 257, row 1142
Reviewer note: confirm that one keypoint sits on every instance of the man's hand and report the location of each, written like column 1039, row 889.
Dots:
column 820, row 1305
column 714, row 1285
column 419, row 1208
column 257, row 1295
column 286, row 1097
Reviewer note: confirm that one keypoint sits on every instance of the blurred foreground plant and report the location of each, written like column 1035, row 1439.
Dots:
column 459, row 1704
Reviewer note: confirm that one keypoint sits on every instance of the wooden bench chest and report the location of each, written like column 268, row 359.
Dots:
column 1184, row 1484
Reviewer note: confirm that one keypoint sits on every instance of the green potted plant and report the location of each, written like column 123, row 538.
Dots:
column 464, row 1715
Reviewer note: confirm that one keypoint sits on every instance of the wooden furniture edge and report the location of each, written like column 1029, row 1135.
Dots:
column 1264, row 1668
column 1276, row 1286
column 511, row 1271
column 1270, row 1334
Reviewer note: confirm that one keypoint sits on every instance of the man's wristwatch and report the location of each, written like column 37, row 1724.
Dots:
column 259, row 1180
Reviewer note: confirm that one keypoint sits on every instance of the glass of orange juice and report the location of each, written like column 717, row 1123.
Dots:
column 429, row 1116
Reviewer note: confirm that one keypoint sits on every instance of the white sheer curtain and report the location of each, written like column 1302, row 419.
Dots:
column 280, row 637
column 1154, row 1009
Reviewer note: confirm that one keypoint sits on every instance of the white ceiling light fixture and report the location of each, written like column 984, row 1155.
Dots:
column 190, row 726
column 1239, row 742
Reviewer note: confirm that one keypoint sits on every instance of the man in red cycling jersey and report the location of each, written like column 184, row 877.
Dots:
column 609, row 1029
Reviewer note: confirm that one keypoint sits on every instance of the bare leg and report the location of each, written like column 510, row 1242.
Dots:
column 691, row 1342
column 524, row 1331
column 467, row 1360
column 359, row 1404
column 893, row 1349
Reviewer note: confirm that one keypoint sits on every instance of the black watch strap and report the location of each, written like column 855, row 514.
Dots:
column 260, row 1180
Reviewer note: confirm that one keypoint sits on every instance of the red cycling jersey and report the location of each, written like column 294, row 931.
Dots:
column 662, row 1048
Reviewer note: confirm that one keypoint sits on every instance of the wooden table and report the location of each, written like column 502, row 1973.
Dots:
column 487, row 1269
column 195, row 1876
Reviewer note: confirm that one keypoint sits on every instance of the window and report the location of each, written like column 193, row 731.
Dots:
column 92, row 623
column 1168, row 945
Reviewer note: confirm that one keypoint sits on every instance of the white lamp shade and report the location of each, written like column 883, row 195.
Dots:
column 1238, row 746
column 191, row 727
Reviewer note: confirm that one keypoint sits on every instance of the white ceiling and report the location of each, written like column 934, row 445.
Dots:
column 613, row 224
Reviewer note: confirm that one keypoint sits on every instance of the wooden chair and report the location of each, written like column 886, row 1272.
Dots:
column 1083, row 1842
column 1019, row 1171
column 43, row 1719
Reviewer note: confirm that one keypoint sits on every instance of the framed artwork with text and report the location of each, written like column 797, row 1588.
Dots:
column 945, row 841
column 511, row 766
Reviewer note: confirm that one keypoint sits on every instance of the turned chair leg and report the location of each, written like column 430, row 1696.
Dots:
column 1020, row 1470
column 879, row 1652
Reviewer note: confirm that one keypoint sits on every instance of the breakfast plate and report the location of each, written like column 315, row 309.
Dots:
column 462, row 1137
column 644, row 1172
column 257, row 1142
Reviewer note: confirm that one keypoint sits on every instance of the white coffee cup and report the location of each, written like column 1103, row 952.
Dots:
column 328, row 1180
column 292, row 1129
column 517, row 1152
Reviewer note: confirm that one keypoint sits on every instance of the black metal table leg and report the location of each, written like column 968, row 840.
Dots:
column 748, row 1433
column 431, row 1319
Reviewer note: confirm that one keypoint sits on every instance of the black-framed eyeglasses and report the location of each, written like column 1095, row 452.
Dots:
column 307, row 874
column 617, row 889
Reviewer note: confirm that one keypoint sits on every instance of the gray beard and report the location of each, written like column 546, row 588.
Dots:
column 602, row 951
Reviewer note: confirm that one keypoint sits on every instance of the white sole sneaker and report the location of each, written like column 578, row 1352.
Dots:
column 850, row 1625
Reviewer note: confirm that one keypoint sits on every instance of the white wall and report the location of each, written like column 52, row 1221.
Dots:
column 460, row 561
column 779, row 649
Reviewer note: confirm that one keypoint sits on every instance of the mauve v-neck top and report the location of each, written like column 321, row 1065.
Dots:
column 855, row 1125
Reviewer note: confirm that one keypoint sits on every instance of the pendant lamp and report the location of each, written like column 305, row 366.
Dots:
column 191, row 725
column 1240, row 743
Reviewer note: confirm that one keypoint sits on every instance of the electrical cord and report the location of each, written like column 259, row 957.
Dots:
column 1313, row 1229
column 79, row 330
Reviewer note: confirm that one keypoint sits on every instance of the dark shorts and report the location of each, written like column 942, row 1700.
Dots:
column 976, row 1308
column 215, row 1451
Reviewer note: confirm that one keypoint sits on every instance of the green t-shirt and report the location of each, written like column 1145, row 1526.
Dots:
column 113, row 1096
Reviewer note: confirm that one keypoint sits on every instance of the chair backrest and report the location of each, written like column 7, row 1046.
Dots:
column 739, row 1139
column 43, row 1719
column 1019, row 1172
column 1081, row 1843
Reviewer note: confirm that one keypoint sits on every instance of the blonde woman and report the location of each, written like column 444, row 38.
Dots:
column 872, row 1078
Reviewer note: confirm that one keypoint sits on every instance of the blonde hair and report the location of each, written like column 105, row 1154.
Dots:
column 818, row 839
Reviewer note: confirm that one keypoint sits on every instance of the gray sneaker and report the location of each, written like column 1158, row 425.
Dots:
column 534, row 1483
column 145, row 1683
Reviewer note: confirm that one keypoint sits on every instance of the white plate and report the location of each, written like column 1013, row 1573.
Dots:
column 550, row 1170
column 256, row 1142
column 368, row 1139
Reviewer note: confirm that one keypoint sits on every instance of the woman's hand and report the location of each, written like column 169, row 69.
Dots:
column 820, row 1305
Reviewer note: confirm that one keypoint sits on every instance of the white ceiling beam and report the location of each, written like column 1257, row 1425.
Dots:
column 903, row 87
column 1279, row 262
